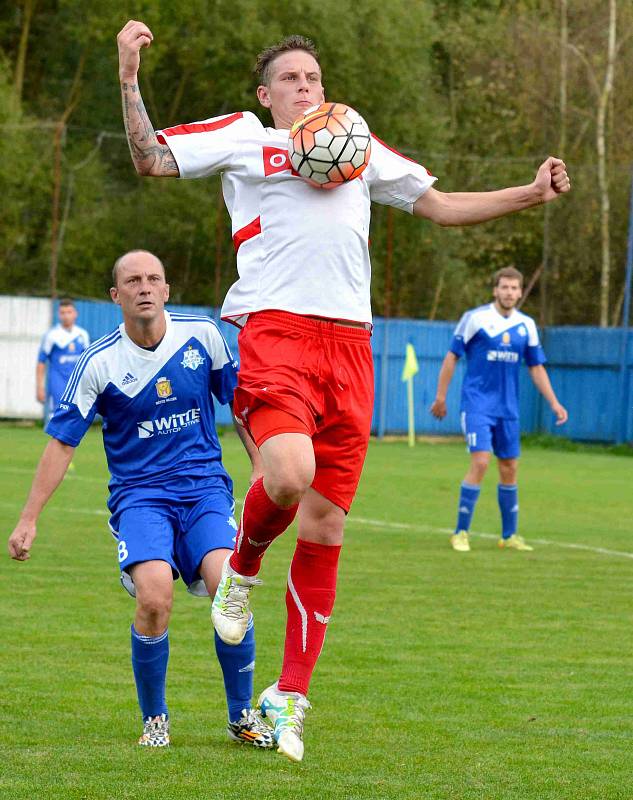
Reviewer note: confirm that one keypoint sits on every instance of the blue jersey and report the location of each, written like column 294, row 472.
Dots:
column 61, row 348
column 158, row 418
column 494, row 347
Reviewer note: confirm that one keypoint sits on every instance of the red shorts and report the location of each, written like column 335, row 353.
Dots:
column 312, row 376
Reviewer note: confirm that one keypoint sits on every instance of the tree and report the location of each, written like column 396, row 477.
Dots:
column 602, row 92
column 479, row 91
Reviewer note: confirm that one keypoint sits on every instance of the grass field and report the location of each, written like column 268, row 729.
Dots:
column 489, row 675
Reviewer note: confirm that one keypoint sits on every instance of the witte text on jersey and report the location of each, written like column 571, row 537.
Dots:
column 174, row 423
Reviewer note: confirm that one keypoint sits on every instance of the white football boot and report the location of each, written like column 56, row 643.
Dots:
column 230, row 612
column 286, row 712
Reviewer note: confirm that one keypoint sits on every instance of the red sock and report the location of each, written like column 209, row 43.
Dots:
column 262, row 522
column 309, row 600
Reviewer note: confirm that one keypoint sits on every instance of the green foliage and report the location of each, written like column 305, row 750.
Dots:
column 498, row 65
column 24, row 182
column 468, row 88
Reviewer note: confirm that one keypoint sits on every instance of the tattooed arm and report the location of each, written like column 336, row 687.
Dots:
column 149, row 156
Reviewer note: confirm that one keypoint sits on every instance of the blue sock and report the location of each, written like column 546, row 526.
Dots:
column 238, row 665
column 508, row 497
column 468, row 496
column 150, row 655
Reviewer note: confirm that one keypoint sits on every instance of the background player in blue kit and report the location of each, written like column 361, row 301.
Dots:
column 60, row 350
column 495, row 338
column 152, row 380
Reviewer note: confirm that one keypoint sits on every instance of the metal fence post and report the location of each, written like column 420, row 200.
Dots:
column 625, row 394
column 384, row 389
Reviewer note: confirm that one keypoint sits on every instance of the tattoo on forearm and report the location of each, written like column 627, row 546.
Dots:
column 148, row 154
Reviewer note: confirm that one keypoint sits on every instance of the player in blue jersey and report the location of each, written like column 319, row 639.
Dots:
column 495, row 338
column 60, row 350
column 152, row 381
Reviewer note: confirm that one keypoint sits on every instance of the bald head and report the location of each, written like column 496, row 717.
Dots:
column 133, row 260
column 141, row 290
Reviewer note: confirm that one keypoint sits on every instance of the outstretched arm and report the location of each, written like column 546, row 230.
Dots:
column 48, row 475
column 469, row 208
column 438, row 407
column 541, row 381
column 149, row 156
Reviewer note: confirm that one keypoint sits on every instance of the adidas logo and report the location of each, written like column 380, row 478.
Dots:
column 129, row 378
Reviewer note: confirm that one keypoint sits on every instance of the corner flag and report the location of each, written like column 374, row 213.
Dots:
column 411, row 367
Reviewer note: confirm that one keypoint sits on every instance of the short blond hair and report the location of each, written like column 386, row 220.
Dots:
column 263, row 65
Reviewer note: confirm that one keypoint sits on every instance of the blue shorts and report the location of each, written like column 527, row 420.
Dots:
column 484, row 433
column 180, row 534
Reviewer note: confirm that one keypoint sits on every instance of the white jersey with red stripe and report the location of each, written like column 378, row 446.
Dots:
column 299, row 248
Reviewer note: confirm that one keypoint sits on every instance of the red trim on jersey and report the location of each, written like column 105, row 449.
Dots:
column 393, row 150
column 246, row 233
column 199, row 127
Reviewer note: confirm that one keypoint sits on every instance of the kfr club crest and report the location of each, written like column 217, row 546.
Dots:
column 191, row 358
column 163, row 387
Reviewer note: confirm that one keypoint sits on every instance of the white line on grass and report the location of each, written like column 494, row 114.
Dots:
column 404, row 526
column 378, row 523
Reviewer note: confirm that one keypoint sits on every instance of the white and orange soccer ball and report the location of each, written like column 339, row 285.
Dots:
column 330, row 145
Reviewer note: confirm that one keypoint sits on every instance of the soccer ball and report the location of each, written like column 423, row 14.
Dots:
column 329, row 145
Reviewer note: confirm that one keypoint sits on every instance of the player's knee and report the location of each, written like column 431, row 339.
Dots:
column 508, row 472
column 289, row 468
column 328, row 532
column 287, row 487
column 155, row 608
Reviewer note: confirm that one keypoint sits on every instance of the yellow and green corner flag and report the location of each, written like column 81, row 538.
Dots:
column 410, row 369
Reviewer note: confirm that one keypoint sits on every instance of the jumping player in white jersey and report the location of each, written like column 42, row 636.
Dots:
column 60, row 350
column 495, row 338
column 305, row 387
column 152, row 380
